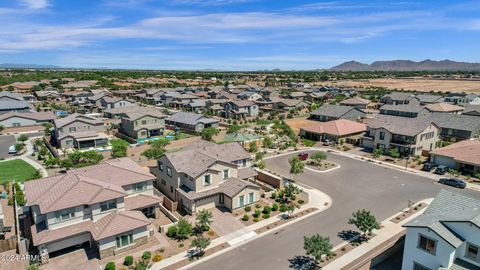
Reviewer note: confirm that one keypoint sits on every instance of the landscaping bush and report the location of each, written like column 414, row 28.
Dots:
column 247, row 208
column 257, row 205
column 283, row 208
column 273, row 196
column 308, row 143
column 147, row 255
column 274, row 207
column 110, row 266
column 157, row 258
column 267, row 210
column 172, row 231
column 255, row 220
column 128, row 261
column 211, row 233
column 245, row 218
column 301, row 201
column 256, row 214
column 265, row 216
column 319, row 156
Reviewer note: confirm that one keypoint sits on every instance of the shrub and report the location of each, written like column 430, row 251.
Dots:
column 110, row 266
column 128, row 261
column 274, row 207
column 301, row 201
column 273, row 196
column 255, row 220
column 172, row 231
column 147, row 255
column 245, row 218
column 157, row 258
column 256, row 214
column 210, row 233
column 308, row 143
column 257, row 205
column 265, row 216
column 247, row 208
column 267, row 210
column 319, row 156
column 181, row 245
column 283, row 208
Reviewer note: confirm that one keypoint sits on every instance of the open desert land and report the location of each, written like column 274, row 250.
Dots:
column 416, row 84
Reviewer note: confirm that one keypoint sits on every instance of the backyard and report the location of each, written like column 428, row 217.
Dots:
column 17, row 170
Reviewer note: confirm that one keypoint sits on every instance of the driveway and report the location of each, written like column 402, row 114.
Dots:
column 356, row 185
column 224, row 222
column 5, row 142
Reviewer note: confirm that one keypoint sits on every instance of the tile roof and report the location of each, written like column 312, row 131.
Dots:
column 355, row 101
column 240, row 137
column 247, row 172
column 230, row 187
column 399, row 96
column 242, row 103
column 13, row 104
column 134, row 115
column 333, row 110
column 190, row 118
column 443, row 107
column 39, row 116
column 464, row 151
column 429, row 98
column 74, row 117
column 340, row 127
column 401, row 125
column 456, row 121
column 117, row 222
column 12, row 95
column 141, row 200
column 447, row 207
column 40, row 236
column 414, row 108
column 472, row 109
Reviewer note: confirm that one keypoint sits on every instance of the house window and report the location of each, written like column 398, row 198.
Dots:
column 251, row 197
column 417, row 266
column 65, row 214
column 69, row 142
column 72, row 129
column 226, row 174
column 16, row 124
column 169, row 171
column 108, row 205
column 382, row 135
column 207, row 181
column 160, row 166
column 472, row 252
column 138, row 187
column 144, row 122
column 241, row 201
column 427, row 244
column 124, row 240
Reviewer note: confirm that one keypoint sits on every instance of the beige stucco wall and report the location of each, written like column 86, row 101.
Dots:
column 172, row 181
column 245, row 193
column 216, row 176
column 427, row 144
column 110, row 242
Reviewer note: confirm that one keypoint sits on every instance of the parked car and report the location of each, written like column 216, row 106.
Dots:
column 441, row 170
column 12, row 150
column 327, row 142
column 428, row 167
column 303, row 156
column 454, row 182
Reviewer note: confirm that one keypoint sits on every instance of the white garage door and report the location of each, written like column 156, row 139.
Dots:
column 72, row 241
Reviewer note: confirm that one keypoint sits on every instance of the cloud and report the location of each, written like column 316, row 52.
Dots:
column 35, row 4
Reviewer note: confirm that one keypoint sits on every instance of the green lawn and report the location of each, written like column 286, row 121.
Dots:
column 16, row 169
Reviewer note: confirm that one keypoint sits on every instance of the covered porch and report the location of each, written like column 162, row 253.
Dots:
column 95, row 141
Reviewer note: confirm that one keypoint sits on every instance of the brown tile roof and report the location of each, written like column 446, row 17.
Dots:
column 74, row 117
column 248, row 172
column 118, row 222
column 341, row 127
column 140, row 201
column 467, row 151
column 355, row 101
column 443, row 107
column 242, row 103
column 46, row 236
column 230, row 187
column 401, row 125
column 39, row 116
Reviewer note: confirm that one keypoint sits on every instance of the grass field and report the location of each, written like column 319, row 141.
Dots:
column 17, row 169
column 417, row 84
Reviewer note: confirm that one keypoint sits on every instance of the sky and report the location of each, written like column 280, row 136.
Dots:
column 235, row 34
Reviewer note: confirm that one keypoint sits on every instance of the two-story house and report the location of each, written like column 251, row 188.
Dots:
column 463, row 99
column 445, row 236
column 328, row 112
column 410, row 136
column 143, row 124
column 205, row 175
column 190, row 122
column 456, row 127
column 79, row 131
column 405, row 110
column 103, row 208
column 240, row 109
column 115, row 102
column 397, row 98
column 249, row 95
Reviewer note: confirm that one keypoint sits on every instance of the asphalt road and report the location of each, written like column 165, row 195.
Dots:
column 5, row 143
column 356, row 185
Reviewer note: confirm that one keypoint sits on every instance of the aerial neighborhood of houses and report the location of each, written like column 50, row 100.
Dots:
column 146, row 173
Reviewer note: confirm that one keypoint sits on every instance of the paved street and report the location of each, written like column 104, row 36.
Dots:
column 355, row 185
column 5, row 143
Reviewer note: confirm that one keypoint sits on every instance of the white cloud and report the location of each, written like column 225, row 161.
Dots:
column 34, row 4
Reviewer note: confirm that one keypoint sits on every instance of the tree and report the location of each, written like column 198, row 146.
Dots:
column 200, row 243
column 364, row 221
column 393, row 152
column 261, row 164
column 296, row 166
column 233, row 129
column 317, row 246
column 184, row 229
column 156, row 150
column 42, row 152
column 119, row 148
column 252, row 147
column 46, row 128
column 208, row 133
column 51, row 162
column 204, row 219
column 267, row 142
column 22, row 138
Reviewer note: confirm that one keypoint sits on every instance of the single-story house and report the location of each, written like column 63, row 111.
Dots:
column 464, row 155
column 333, row 130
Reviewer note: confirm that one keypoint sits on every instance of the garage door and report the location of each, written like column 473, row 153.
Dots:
column 207, row 203
column 439, row 160
column 69, row 242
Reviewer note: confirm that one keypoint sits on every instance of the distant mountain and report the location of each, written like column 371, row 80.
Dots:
column 9, row 65
column 408, row 65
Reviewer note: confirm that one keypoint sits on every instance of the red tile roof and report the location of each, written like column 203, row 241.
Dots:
column 340, row 127
column 467, row 151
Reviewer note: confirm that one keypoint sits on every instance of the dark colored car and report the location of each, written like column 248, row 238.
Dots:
column 441, row 170
column 428, row 167
column 303, row 156
column 454, row 182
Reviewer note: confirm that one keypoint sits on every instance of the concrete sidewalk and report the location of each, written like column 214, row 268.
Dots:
column 316, row 199
column 389, row 230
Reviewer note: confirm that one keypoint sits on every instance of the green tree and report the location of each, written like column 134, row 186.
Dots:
column 184, row 229
column 364, row 221
column 156, row 150
column 204, row 219
column 200, row 243
column 317, row 246
column 119, row 148
column 51, row 162
column 233, row 129
column 252, row 147
column 267, row 142
column 259, row 156
column 208, row 133
column 46, row 128
column 22, row 138
column 296, row 166
column 261, row 164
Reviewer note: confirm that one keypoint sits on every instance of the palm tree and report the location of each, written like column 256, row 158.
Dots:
column 204, row 219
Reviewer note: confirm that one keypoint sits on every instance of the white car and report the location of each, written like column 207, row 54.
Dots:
column 12, row 149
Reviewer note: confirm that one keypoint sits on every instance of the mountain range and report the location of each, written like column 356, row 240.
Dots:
column 408, row 65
